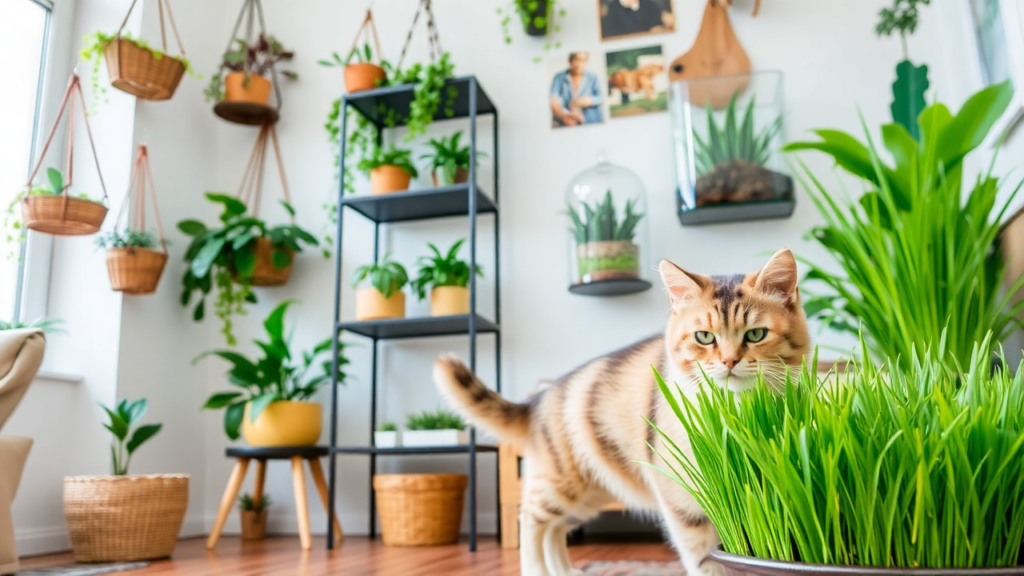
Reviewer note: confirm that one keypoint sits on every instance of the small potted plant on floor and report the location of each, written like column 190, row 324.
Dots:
column 248, row 68
column 274, row 406
column 133, row 263
column 362, row 74
column 605, row 249
column 384, row 297
column 254, row 516
column 449, row 162
column 387, row 435
column 390, row 170
column 46, row 208
column 124, row 518
column 447, row 278
column 244, row 252
column 439, row 428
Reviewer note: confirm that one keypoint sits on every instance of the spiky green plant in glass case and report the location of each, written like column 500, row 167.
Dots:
column 604, row 242
column 731, row 159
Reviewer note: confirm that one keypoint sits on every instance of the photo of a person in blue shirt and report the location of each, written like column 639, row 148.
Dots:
column 576, row 94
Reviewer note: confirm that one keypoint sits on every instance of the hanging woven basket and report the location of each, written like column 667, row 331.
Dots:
column 137, row 70
column 266, row 273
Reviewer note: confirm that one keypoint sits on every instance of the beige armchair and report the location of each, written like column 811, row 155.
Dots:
column 21, row 352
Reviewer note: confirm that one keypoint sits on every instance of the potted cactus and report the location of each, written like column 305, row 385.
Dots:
column 384, row 297
column 605, row 249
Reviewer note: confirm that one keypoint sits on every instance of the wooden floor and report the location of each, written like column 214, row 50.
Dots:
column 281, row 556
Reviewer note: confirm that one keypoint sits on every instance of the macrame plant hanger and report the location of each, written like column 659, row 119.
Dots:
column 435, row 40
column 62, row 215
column 367, row 29
column 138, row 270
column 142, row 182
column 134, row 69
column 245, row 112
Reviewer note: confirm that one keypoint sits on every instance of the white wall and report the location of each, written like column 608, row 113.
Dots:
column 832, row 63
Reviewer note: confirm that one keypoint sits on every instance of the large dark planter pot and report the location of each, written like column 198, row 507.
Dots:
column 749, row 566
column 528, row 26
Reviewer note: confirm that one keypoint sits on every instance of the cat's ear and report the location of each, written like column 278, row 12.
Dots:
column 779, row 275
column 679, row 282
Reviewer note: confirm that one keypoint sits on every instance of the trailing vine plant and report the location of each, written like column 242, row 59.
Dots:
column 538, row 17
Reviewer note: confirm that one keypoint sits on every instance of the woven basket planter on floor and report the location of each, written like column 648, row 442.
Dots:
column 420, row 509
column 124, row 518
column 135, row 270
column 62, row 215
column 266, row 274
column 137, row 71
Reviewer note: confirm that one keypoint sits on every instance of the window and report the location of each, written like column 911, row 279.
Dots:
column 24, row 29
column 990, row 34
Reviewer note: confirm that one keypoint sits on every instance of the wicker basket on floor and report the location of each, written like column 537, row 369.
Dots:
column 62, row 215
column 135, row 270
column 420, row 509
column 124, row 518
column 135, row 70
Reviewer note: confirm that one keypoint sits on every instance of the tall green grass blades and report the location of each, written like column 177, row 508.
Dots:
column 917, row 463
column 918, row 254
column 735, row 140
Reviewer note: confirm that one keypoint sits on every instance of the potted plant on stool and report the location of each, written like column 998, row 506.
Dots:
column 274, row 407
column 384, row 298
column 254, row 516
column 389, row 170
column 448, row 278
column 123, row 518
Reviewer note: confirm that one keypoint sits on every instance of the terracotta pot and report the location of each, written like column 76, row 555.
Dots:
column 372, row 305
column 461, row 177
column 363, row 77
column 449, row 301
column 284, row 423
column 254, row 524
column 254, row 91
column 387, row 179
column 608, row 260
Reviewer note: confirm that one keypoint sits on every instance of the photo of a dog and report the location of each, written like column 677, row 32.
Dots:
column 636, row 81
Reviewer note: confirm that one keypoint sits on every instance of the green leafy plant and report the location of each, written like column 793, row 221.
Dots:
column 362, row 55
column 47, row 325
column 734, row 141
column 911, row 81
column 387, row 276
column 390, row 156
column 225, row 258
column 911, row 465
column 96, row 43
column 429, row 94
column 259, row 58
column 275, row 376
column 918, row 255
column 538, row 17
column 448, row 156
column 126, row 239
column 439, row 420
column 387, row 427
column 442, row 270
column 600, row 221
column 14, row 228
column 121, row 420
column 246, row 503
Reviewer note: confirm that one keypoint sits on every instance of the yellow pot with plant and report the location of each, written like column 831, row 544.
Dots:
column 384, row 297
column 275, row 408
column 447, row 278
column 390, row 170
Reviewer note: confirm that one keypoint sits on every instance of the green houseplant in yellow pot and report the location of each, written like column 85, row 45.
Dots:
column 384, row 297
column 273, row 405
column 447, row 277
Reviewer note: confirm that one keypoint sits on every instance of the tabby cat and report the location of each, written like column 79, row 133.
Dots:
column 584, row 435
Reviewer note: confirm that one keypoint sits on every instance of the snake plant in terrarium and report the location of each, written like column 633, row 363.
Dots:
column 605, row 248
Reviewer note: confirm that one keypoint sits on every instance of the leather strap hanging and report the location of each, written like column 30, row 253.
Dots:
column 435, row 40
column 251, row 14
column 251, row 188
column 73, row 93
column 142, row 176
column 367, row 28
column 162, row 5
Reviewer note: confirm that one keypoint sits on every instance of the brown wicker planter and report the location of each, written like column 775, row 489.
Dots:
column 135, row 270
column 136, row 70
column 124, row 518
column 420, row 509
column 254, row 524
column 266, row 274
column 62, row 215
column 736, row 565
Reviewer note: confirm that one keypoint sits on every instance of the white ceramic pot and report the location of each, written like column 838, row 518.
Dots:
column 389, row 439
column 415, row 438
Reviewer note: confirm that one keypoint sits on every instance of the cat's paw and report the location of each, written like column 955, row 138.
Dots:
column 707, row 569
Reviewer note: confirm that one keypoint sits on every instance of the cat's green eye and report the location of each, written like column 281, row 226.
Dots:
column 705, row 338
column 756, row 334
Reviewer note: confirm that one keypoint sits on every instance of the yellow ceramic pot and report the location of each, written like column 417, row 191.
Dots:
column 449, row 301
column 372, row 305
column 284, row 423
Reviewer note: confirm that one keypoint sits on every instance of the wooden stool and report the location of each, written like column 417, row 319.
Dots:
column 296, row 454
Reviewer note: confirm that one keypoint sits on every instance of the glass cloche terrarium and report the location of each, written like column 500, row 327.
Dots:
column 727, row 132
column 607, row 212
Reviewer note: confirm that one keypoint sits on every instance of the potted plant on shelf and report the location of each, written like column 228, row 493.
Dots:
column 384, row 297
column 124, row 518
column 360, row 75
column 244, row 252
column 249, row 66
column 604, row 242
column 49, row 209
column 274, row 407
column 440, row 428
column 133, row 263
column 908, row 467
column 447, row 277
column 390, row 170
column 387, row 435
column 134, row 66
column 449, row 162
column 429, row 93
column 254, row 516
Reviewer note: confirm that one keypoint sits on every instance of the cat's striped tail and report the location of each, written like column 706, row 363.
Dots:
column 480, row 405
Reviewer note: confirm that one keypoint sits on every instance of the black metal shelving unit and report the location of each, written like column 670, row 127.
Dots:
column 470, row 101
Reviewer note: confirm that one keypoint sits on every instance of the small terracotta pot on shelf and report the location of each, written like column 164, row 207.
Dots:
column 62, row 215
column 363, row 76
column 449, row 301
column 284, row 423
column 461, row 177
column 254, row 524
column 389, row 178
column 372, row 305
column 254, row 91
column 135, row 271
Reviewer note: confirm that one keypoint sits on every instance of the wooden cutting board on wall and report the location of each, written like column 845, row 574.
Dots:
column 715, row 52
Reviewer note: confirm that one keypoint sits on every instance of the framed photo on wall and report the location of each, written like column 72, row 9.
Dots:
column 626, row 18
column 575, row 95
column 637, row 83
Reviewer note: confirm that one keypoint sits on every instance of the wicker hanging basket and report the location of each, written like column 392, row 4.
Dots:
column 420, row 509
column 136, row 70
column 266, row 274
column 124, row 518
